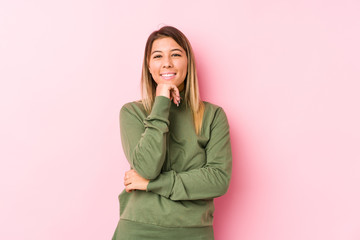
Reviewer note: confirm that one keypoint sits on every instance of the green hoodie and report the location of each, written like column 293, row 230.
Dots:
column 186, row 171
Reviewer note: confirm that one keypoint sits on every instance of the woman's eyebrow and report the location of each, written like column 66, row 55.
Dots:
column 156, row 51
column 175, row 49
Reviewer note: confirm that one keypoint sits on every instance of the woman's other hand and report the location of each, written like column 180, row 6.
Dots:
column 168, row 90
column 133, row 181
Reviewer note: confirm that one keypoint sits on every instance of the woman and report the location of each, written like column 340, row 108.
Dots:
column 178, row 148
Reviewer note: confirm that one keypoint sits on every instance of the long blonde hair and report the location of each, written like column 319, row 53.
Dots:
column 148, row 85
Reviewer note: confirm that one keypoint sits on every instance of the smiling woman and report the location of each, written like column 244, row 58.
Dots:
column 178, row 148
column 168, row 63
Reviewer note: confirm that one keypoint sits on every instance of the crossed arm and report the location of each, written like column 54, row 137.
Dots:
column 145, row 147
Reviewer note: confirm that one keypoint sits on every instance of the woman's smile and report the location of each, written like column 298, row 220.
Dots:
column 168, row 76
column 168, row 62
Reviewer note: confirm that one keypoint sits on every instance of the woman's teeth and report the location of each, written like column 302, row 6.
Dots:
column 168, row 76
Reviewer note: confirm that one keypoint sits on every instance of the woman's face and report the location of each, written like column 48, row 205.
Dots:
column 168, row 62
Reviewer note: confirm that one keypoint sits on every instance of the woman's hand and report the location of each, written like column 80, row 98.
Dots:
column 168, row 90
column 133, row 181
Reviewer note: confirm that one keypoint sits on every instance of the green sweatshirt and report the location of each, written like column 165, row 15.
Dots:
column 186, row 171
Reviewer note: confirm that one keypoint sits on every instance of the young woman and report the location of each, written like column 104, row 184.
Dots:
column 178, row 148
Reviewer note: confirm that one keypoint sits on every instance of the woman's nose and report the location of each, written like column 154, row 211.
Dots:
column 167, row 62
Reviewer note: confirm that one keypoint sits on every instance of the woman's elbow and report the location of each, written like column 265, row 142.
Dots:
column 147, row 169
column 149, row 173
column 224, row 185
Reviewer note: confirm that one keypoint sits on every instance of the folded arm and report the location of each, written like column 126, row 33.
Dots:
column 210, row 181
column 144, row 141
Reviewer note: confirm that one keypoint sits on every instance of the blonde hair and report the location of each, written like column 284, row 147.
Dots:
column 148, row 85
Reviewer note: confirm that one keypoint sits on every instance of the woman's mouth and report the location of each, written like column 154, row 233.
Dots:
column 167, row 76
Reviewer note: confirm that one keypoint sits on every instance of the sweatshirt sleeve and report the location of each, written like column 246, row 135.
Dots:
column 144, row 141
column 210, row 181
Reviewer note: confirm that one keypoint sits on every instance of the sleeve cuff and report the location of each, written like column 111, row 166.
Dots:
column 162, row 185
column 159, row 116
column 161, row 107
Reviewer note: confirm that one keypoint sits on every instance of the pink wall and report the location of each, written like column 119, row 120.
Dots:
column 286, row 72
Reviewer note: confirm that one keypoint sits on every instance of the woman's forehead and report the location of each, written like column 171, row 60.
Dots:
column 165, row 44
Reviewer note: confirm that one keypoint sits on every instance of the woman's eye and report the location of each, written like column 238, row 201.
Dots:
column 176, row 55
column 157, row 56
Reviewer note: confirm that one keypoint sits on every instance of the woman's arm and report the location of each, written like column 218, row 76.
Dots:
column 210, row 181
column 144, row 141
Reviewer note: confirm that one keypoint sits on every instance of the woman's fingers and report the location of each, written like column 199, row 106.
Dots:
column 128, row 189
column 128, row 185
column 175, row 94
column 133, row 181
column 173, row 97
column 168, row 90
column 127, row 177
column 127, row 182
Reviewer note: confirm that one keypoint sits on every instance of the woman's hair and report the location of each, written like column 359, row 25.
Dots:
column 148, row 85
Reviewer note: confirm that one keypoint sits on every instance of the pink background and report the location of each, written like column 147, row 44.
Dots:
column 286, row 73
